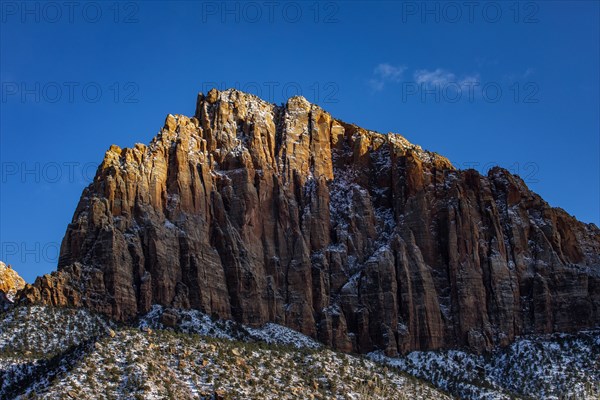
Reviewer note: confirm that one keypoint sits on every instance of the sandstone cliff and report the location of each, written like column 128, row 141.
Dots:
column 365, row 241
column 10, row 282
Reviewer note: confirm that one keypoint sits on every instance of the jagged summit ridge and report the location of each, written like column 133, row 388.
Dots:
column 266, row 115
column 266, row 213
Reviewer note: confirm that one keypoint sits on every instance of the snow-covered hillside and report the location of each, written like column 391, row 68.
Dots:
column 552, row 367
column 63, row 353
column 51, row 353
column 193, row 321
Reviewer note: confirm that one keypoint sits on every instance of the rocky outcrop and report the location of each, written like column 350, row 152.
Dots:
column 365, row 241
column 10, row 283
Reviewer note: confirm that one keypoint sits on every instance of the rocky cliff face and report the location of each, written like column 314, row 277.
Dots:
column 10, row 282
column 365, row 241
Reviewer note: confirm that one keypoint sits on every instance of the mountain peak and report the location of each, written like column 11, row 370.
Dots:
column 263, row 213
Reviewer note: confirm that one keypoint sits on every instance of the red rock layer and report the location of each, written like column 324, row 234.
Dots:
column 263, row 213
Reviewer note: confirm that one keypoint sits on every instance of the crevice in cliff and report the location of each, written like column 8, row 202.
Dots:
column 279, row 121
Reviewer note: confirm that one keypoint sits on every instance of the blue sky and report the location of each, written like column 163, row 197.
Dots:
column 513, row 84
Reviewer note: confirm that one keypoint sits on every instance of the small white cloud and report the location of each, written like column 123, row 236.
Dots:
column 384, row 73
column 387, row 71
column 438, row 77
column 441, row 77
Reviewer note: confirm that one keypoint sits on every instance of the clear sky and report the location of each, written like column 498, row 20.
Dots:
column 483, row 83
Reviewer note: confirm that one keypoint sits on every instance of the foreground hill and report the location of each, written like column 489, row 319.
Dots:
column 55, row 353
column 65, row 353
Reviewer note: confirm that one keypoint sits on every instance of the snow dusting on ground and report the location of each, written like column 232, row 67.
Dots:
column 57, row 353
column 552, row 367
column 201, row 358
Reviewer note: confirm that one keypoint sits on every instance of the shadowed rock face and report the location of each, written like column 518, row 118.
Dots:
column 365, row 241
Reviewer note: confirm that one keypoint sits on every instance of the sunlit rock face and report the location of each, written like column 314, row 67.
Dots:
column 10, row 283
column 362, row 240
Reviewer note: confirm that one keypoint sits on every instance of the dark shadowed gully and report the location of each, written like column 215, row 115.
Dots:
column 258, row 213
